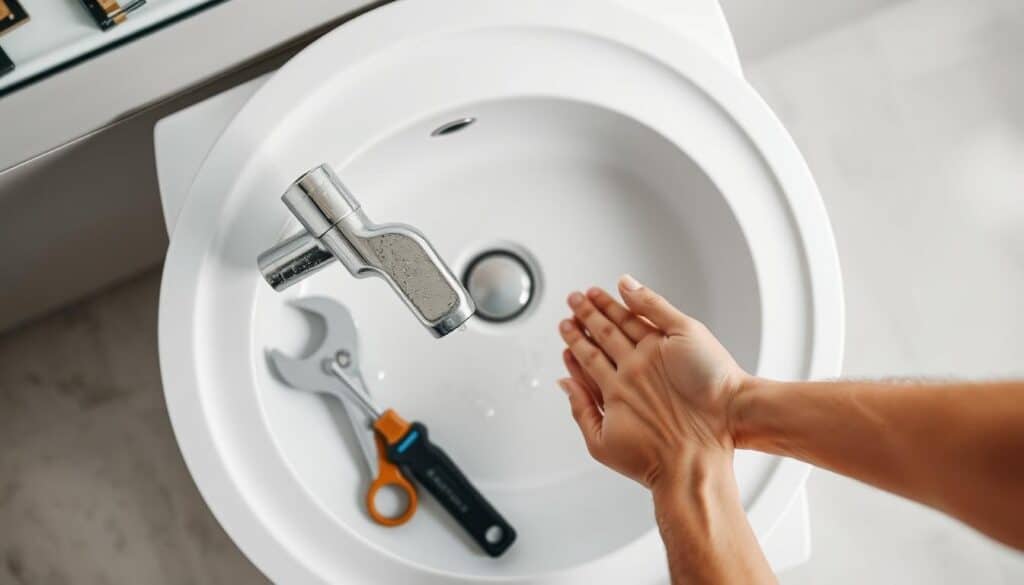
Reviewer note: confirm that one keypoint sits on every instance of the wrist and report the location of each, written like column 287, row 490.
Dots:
column 695, row 479
column 699, row 513
column 746, row 414
column 760, row 414
column 703, row 524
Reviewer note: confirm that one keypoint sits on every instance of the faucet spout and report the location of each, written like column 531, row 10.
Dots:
column 336, row 228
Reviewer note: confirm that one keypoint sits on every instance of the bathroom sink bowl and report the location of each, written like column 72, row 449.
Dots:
column 602, row 144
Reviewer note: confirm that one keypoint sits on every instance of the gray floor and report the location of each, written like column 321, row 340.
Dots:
column 93, row 489
column 912, row 121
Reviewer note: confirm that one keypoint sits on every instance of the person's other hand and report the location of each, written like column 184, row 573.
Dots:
column 650, row 387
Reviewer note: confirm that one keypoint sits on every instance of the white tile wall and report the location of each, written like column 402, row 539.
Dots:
column 912, row 120
column 763, row 26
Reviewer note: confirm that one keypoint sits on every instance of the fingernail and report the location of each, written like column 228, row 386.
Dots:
column 629, row 283
column 565, row 326
column 564, row 385
column 575, row 299
column 593, row 292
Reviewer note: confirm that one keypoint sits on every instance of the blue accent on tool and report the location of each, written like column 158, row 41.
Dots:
column 407, row 441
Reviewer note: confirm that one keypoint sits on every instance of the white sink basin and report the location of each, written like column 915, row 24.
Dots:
column 602, row 145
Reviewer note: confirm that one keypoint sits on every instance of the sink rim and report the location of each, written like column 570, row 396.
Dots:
column 742, row 104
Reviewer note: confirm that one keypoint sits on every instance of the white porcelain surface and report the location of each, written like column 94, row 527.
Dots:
column 608, row 130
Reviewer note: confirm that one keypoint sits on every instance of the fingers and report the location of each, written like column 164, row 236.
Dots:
column 577, row 373
column 592, row 360
column 647, row 303
column 634, row 327
column 608, row 336
column 585, row 411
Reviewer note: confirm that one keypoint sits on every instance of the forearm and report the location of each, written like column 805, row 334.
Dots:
column 704, row 527
column 955, row 447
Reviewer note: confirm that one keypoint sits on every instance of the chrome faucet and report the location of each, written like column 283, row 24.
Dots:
column 337, row 228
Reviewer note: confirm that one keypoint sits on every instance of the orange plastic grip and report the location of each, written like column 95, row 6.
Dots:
column 391, row 426
column 388, row 474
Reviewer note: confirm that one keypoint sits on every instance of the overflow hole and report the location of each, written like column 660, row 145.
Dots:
column 452, row 127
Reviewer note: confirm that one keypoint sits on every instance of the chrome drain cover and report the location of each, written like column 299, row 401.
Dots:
column 501, row 284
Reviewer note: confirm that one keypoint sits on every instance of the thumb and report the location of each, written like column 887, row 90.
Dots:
column 647, row 303
column 586, row 413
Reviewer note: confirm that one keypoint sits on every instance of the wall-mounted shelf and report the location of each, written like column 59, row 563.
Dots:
column 61, row 33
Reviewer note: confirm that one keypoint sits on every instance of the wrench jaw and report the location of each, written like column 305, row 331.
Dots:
column 313, row 373
column 303, row 374
column 310, row 373
column 341, row 327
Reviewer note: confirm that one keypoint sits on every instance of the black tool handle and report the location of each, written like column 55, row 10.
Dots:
column 433, row 469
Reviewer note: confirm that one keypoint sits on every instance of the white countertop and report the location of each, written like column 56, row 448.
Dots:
column 58, row 33
column 115, row 84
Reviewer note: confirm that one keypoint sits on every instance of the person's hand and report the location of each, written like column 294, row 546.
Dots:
column 650, row 387
column 651, row 390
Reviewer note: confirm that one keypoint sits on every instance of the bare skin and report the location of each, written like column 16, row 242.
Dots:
column 659, row 400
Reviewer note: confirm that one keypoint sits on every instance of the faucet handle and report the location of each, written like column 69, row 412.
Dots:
column 319, row 200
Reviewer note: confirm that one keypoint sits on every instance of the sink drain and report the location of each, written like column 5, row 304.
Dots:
column 502, row 282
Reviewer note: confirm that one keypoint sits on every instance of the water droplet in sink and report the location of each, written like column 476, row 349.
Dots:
column 381, row 374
